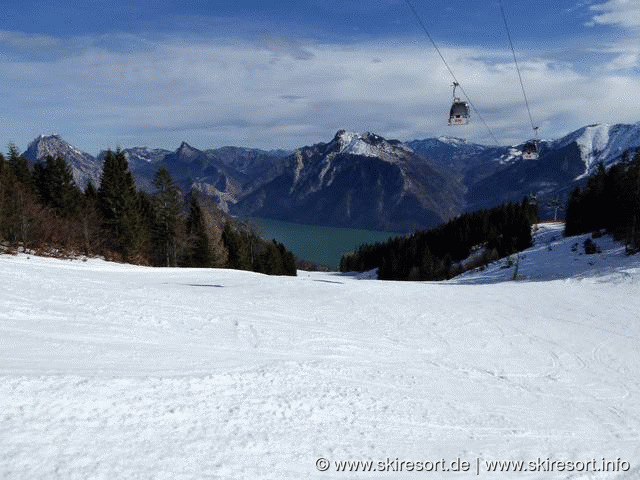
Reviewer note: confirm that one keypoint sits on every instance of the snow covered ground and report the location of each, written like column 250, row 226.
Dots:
column 119, row 372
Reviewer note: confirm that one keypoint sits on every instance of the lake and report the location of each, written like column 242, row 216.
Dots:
column 322, row 245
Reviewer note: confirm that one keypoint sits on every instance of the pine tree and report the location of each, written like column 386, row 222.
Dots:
column 145, row 230
column 56, row 188
column 19, row 167
column 90, row 221
column 90, row 191
column 199, row 250
column 633, row 206
column 168, row 205
column 3, row 193
column 288, row 260
column 610, row 200
column 19, row 206
column 118, row 204
column 231, row 241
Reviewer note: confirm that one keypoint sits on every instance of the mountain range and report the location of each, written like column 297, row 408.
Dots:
column 366, row 181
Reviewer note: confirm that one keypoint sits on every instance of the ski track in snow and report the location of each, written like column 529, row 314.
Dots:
column 115, row 371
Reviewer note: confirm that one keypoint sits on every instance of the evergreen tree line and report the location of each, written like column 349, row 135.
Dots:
column 611, row 201
column 42, row 209
column 247, row 251
column 437, row 254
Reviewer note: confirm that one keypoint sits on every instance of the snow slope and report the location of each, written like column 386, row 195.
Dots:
column 115, row 371
column 554, row 257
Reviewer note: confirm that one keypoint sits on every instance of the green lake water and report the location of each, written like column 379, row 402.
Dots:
column 322, row 245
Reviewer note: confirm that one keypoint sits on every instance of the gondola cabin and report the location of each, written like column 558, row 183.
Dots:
column 530, row 151
column 459, row 114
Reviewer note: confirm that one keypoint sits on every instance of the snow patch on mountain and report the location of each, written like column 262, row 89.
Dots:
column 145, row 154
column 354, row 144
column 369, row 145
column 513, row 154
column 299, row 166
column 452, row 140
column 593, row 141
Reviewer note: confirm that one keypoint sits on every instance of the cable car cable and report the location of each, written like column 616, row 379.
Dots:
column 515, row 60
column 426, row 31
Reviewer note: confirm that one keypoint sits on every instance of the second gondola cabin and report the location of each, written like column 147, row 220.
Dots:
column 530, row 150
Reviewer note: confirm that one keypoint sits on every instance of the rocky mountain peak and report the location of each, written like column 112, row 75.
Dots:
column 50, row 145
column 186, row 150
column 84, row 167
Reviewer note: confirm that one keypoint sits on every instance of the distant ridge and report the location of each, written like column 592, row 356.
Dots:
column 364, row 180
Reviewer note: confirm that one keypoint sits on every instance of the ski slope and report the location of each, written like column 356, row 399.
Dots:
column 111, row 371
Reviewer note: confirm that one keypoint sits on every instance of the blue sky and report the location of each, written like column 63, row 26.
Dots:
column 283, row 74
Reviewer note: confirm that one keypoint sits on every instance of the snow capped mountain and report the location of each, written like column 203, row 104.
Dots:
column 353, row 144
column 357, row 180
column 84, row 167
column 52, row 145
column 493, row 175
column 369, row 145
column 365, row 180
column 601, row 143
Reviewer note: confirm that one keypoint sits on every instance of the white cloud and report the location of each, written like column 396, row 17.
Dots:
column 624, row 13
column 288, row 94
